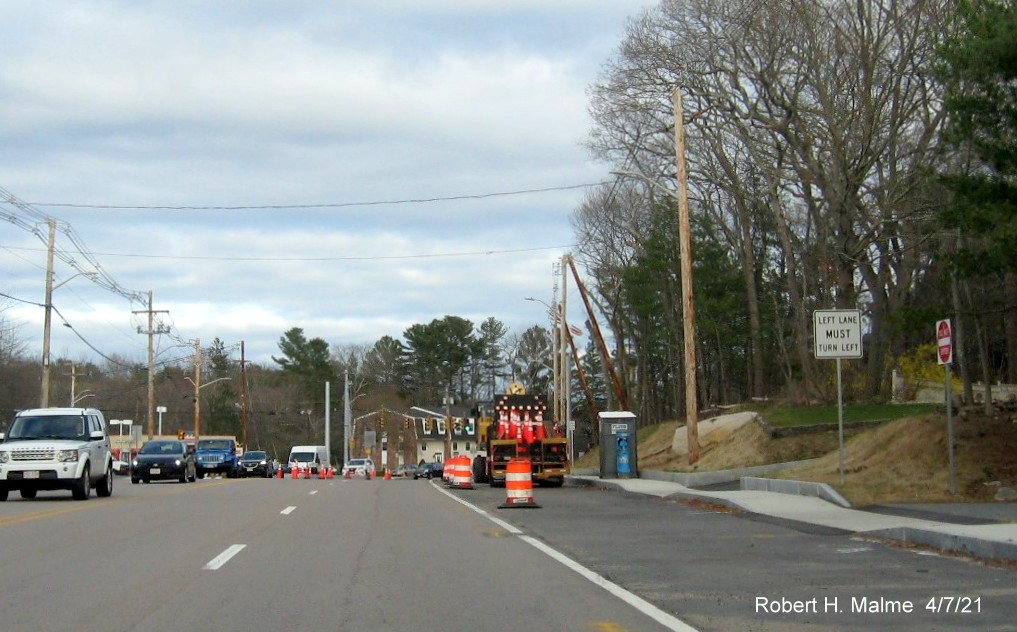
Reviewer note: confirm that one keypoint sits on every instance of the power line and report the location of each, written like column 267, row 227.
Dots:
column 473, row 253
column 266, row 207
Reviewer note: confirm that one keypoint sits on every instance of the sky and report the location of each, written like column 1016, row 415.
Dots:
column 349, row 167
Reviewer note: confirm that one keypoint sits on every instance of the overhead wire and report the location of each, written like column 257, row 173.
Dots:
column 271, row 207
column 98, row 275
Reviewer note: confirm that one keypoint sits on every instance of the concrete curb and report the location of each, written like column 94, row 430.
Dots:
column 797, row 488
column 988, row 548
column 964, row 545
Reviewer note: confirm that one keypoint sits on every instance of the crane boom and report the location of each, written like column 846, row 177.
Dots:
column 619, row 391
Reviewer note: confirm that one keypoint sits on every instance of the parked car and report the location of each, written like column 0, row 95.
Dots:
column 163, row 459
column 256, row 463
column 359, row 467
column 406, row 469
column 429, row 471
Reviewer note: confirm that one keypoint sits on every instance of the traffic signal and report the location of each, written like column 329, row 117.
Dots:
column 406, row 424
column 180, row 435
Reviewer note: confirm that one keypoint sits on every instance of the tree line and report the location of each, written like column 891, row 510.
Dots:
column 841, row 154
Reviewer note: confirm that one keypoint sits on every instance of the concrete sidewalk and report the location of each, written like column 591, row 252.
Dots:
column 988, row 541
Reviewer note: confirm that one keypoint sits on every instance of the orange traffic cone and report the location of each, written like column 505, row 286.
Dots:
column 349, row 473
column 294, row 472
column 321, row 473
column 330, row 473
column 388, row 474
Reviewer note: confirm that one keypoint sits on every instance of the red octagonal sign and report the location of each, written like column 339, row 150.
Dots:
column 944, row 342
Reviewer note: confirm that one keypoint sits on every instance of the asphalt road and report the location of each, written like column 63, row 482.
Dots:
column 266, row 554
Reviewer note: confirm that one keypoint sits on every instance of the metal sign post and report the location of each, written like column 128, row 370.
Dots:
column 838, row 335
column 944, row 354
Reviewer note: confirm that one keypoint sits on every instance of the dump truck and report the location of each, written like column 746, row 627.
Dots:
column 518, row 428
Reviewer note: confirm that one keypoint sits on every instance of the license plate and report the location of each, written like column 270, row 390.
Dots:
column 31, row 475
column 154, row 470
column 250, row 468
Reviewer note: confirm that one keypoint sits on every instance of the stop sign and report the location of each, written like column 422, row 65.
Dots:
column 944, row 342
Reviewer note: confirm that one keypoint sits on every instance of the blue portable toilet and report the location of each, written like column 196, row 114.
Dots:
column 618, row 455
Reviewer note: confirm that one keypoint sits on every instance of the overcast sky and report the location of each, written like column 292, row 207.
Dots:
column 113, row 109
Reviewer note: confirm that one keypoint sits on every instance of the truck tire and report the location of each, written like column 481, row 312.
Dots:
column 27, row 492
column 480, row 469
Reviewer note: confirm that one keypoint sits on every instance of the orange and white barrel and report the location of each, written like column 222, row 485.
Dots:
column 518, row 484
column 462, row 472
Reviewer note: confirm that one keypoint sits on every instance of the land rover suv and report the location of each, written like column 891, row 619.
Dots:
column 56, row 448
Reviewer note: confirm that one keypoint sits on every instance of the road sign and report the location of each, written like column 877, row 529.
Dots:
column 838, row 333
column 944, row 342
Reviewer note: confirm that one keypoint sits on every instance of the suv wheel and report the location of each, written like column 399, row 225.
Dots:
column 82, row 487
column 3, row 494
column 105, row 487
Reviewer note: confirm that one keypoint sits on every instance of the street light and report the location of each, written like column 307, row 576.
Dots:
column 84, row 395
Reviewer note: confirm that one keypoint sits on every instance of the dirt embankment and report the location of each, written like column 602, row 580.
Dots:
column 898, row 461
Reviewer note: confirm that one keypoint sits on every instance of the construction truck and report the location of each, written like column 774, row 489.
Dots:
column 517, row 428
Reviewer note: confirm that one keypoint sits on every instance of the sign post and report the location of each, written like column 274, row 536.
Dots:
column 944, row 355
column 838, row 335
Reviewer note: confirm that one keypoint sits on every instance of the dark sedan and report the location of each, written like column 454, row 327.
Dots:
column 256, row 463
column 163, row 460
column 429, row 471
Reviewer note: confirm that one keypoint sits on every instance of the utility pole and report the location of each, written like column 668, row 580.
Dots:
column 347, row 418
column 688, row 305
column 448, row 425
column 566, row 374
column 197, row 388
column 151, row 358
column 74, row 393
column 48, row 315
column 243, row 395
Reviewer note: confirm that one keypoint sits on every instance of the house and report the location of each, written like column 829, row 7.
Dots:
column 393, row 438
column 432, row 428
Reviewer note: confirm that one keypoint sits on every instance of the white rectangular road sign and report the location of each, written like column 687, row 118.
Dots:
column 838, row 333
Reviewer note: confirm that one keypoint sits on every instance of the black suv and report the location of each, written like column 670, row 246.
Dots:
column 255, row 463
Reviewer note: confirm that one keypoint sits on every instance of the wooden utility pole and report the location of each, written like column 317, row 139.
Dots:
column 197, row 388
column 48, row 315
column 688, row 305
column 151, row 359
column 243, row 396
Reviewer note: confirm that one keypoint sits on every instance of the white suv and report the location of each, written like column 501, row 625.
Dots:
column 56, row 448
column 359, row 467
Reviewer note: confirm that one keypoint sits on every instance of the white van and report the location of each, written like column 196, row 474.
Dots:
column 309, row 456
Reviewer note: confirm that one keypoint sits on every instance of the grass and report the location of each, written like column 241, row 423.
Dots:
column 782, row 415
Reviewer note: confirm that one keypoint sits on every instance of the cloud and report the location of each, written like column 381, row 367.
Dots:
column 281, row 105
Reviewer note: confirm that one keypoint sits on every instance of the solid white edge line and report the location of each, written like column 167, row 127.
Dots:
column 667, row 620
column 288, row 510
column 219, row 560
